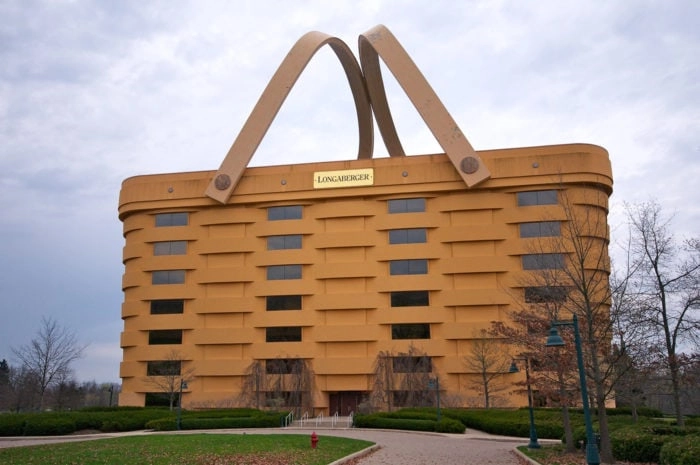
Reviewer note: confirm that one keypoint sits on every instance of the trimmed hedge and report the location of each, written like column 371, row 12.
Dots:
column 127, row 419
column 636, row 445
column 683, row 450
column 218, row 421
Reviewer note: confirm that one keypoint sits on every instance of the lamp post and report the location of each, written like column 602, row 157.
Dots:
column 533, row 444
column 183, row 385
column 435, row 383
column 555, row 340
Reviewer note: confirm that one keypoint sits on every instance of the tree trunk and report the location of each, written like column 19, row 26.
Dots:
column 565, row 418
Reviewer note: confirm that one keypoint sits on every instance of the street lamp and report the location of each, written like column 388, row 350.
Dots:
column 555, row 340
column 434, row 383
column 183, row 385
column 533, row 444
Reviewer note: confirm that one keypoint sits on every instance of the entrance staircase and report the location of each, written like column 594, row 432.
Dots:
column 320, row 422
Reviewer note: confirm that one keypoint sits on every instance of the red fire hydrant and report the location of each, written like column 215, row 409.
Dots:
column 314, row 440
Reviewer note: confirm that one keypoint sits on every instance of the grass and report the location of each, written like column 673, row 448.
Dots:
column 188, row 449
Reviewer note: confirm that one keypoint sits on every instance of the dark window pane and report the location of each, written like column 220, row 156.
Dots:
column 165, row 307
column 406, row 205
column 168, row 277
column 543, row 261
column 170, row 248
column 410, row 331
column 407, row 236
column 548, row 197
column 275, row 272
column 409, row 364
column 541, row 294
column 288, row 212
column 283, row 302
column 417, row 266
column 163, row 368
column 283, row 366
column 158, row 399
column 540, row 229
column 292, row 241
column 410, row 299
column 283, row 334
column 164, row 336
column 172, row 219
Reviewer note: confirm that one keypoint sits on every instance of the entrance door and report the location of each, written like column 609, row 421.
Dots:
column 344, row 402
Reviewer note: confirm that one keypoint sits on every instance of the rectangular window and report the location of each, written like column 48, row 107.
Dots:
column 291, row 241
column 168, row 277
column 416, row 266
column 283, row 302
column 164, row 336
column 283, row 334
column 543, row 261
column 167, row 307
column 407, row 236
column 283, row 272
column 172, row 219
column 163, row 368
column 548, row 197
column 410, row 299
column 406, row 205
column 542, row 294
column 288, row 212
column 283, row 366
column 410, row 331
column 411, row 364
column 170, row 248
column 540, row 229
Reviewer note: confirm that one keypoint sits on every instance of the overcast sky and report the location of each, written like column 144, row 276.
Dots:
column 92, row 92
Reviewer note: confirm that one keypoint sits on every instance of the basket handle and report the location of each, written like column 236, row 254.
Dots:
column 369, row 95
column 380, row 42
column 271, row 100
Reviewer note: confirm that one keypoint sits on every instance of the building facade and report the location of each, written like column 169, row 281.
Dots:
column 292, row 292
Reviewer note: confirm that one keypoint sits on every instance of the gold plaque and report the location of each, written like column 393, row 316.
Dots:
column 345, row 178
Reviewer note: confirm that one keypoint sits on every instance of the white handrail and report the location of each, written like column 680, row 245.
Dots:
column 335, row 419
column 319, row 419
column 304, row 417
column 289, row 419
column 350, row 419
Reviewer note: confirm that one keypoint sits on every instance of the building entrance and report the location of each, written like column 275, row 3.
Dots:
column 344, row 402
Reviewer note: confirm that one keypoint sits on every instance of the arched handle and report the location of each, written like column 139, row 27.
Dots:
column 271, row 100
column 380, row 42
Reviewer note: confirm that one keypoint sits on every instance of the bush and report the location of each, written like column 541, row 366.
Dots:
column 12, row 424
column 378, row 420
column 450, row 425
column 45, row 425
column 636, row 445
column 680, row 451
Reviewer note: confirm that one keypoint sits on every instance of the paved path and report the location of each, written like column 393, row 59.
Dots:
column 395, row 447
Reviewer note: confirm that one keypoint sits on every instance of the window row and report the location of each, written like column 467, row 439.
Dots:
column 294, row 302
column 410, row 205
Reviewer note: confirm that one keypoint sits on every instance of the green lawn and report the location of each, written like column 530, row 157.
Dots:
column 188, row 449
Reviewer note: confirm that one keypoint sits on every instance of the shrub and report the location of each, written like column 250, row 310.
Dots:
column 450, row 425
column 45, row 425
column 636, row 445
column 378, row 420
column 12, row 424
column 680, row 451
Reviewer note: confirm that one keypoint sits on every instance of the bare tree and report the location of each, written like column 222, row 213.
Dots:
column 279, row 382
column 489, row 359
column 568, row 270
column 169, row 376
column 49, row 355
column 403, row 379
column 667, row 281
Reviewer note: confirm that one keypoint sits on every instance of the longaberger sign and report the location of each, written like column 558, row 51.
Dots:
column 345, row 178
